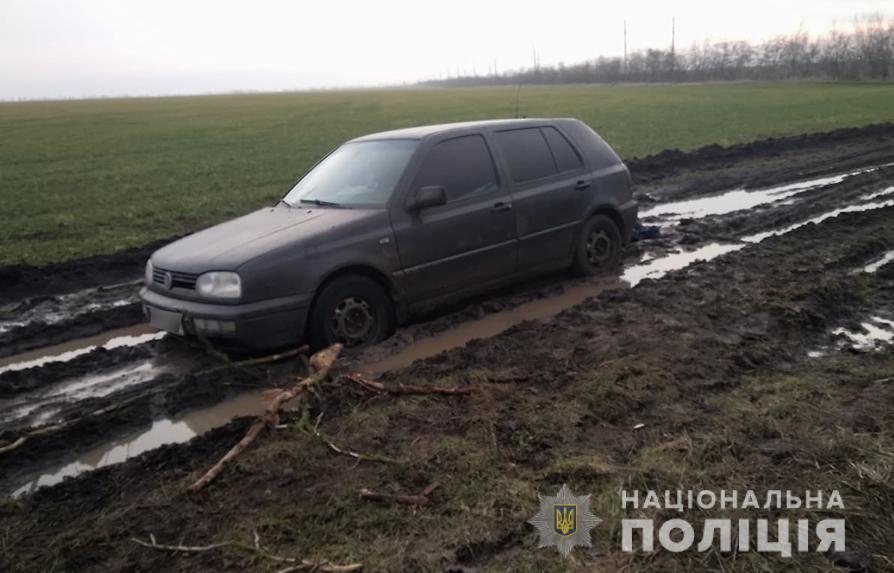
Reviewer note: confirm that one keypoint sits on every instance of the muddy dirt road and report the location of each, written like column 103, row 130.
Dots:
column 749, row 341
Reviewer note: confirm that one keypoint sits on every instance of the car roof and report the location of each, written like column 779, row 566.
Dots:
column 424, row 131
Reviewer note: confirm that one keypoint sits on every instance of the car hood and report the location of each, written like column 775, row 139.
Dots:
column 229, row 245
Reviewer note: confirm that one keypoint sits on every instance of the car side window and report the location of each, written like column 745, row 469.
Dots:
column 527, row 154
column 566, row 157
column 463, row 166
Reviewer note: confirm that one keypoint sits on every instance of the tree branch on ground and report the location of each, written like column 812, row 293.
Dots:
column 299, row 564
column 255, row 361
column 406, row 388
column 320, row 364
column 315, row 431
column 420, row 498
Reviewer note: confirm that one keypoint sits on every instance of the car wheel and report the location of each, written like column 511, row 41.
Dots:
column 353, row 310
column 598, row 249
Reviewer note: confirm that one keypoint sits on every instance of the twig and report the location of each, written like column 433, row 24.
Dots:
column 345, row 452
column 300, row 564
column 181, row 548
column 420, row 498
column 255, row 361
column 321, row 363
column 406, row 388
column 13, row 445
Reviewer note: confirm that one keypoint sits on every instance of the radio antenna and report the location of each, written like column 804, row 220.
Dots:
column 517, row 94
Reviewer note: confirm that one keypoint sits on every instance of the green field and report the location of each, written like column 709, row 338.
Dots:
column 88, row 177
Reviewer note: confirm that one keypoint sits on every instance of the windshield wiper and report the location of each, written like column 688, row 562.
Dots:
column 320, row 202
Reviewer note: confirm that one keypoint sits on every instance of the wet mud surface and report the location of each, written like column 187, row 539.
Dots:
column 565, row 369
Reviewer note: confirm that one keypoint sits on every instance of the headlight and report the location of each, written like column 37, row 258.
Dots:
column 219, row 285
column 148, row 272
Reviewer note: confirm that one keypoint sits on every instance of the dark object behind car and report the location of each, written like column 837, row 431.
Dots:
column 390, row 224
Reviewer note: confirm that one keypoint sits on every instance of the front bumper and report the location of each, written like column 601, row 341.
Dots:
column 262, row 325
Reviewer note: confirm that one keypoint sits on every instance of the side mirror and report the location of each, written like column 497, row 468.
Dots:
column 426, row 197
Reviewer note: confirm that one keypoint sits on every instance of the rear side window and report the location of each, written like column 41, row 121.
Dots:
column 567, row 158
column 463, row 166
column 528, row 155
column 598, row 153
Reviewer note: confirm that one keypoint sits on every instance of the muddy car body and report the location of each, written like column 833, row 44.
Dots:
column 390, row 224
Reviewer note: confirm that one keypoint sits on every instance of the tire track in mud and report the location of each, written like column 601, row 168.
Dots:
column 666, row 353
column 410, row 343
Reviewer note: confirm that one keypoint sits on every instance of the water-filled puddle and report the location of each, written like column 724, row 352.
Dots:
column 41, row 406
column 163, row 431
column 116, row 338
column 739, row 199
column 868, row 204
column 657, row 267
column 51, row 310
column 875, row 265
column 873, row 334
column 492, row 324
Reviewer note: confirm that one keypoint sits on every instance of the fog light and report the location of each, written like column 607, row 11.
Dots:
column 209, row 326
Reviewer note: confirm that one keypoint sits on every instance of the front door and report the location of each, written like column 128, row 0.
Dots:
column 468, row 242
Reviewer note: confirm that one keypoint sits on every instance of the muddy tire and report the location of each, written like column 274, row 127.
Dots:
column 354, row 310
column 598, row 249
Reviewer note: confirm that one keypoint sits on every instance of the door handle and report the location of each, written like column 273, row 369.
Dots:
column 582, row 184
column 500, row 206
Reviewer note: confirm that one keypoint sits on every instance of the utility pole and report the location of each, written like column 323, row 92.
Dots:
column 673, row 45
column 625, row 47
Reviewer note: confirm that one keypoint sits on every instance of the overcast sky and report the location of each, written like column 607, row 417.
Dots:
column 78, row 48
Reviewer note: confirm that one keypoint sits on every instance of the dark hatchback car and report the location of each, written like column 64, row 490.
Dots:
column 390, row 224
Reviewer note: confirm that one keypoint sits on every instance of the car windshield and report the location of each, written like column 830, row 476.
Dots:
column 356, row 174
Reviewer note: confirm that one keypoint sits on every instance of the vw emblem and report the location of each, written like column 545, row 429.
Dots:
column 169, row 281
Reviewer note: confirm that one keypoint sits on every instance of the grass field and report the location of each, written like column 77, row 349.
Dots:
column 91, row 177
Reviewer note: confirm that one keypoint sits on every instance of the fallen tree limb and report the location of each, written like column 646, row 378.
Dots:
column 320, row 364
column 255, row 361
column 406, row 388
column 420, row 498
column 299, row 564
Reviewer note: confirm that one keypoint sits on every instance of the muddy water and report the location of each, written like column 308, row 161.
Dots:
column 493, row 324
column 868, row 203
column 163, row 431
column 41, row 407
column 52, row 310
column 740, row 199
column 127, row 336
column 873, row 334
column 875, row 265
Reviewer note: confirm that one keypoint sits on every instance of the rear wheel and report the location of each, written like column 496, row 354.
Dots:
column 354, row 310
column 598, row 250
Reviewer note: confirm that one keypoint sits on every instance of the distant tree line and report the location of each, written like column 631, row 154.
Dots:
column 865, row 53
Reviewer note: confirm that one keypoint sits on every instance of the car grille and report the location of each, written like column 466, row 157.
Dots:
column 178, row 280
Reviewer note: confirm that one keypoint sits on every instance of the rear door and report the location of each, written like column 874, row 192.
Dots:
column 548, row 178
column 468, row 242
